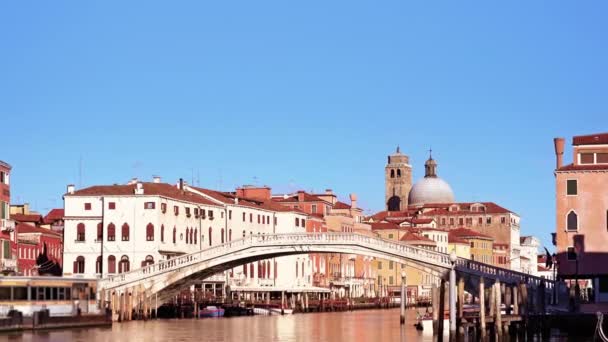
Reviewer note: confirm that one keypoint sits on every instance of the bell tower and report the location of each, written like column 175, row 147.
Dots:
column 397, row 181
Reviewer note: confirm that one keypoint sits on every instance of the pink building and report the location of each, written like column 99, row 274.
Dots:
column 581, row 232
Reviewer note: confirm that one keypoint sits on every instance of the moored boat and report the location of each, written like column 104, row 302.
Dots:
column 211, row 311
column 278, row 311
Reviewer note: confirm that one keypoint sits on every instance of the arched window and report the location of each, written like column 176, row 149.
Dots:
column 111, row 232
column 187, row 235
column 79, row 265
column 99, row 231
column 150, row 232
column 98, row 265
column 392, row 173
column 267, row 269
column 398, row 173
column 572, row 223
column 111, row 264
column 245, row 270
column 125, row 232
column 230, row 234
column 148, row 261
column 259, row 270
column 394, row 203
column 80, row 232
column 174, row 234
column 162, row 233
column 251, row 270
column 222, row 235
column 123, row 265
column 191, row 235
column 195, row 236
column 210, row 237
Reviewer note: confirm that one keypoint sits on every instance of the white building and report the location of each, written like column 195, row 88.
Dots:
column 116, row 228
column 529, row 251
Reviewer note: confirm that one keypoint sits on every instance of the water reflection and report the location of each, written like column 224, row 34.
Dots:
column 355, row 326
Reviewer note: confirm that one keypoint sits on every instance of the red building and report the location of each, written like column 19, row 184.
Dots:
column 31, row 243
column 8, row 262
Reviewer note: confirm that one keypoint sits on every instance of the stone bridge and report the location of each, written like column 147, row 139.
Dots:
column 166, row 278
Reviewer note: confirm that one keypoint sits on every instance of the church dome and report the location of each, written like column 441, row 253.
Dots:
column 431, row 188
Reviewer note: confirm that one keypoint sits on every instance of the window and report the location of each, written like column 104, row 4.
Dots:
column 124, row 265
column 149, row 205
column 443, row 221
column 303, row 221
column 125, row 232
column 297, row 221
column 392, row 173
column 176, row 210
column 451, row 221
column 210, row 236
column 398, row 173
column 390, row 265
column 196, row 212
column 163, row 207
column 79, row 265
column 572, row 221
column 191, row 235
column 243, row 217
column 480, row 221
column 98, row 265
column 111, row 264
column 230, row 214
column 188, row 212
column 162, row 233
column 250, row 217
column 111, row 232
column 174, row 234
column 313, row 208
column 258, row 218
column 601, row 158
column 587, row 158
column 150, row 232
column 111, row 205
column 229, row 234
column 222, row 236
column 472, row 244
column 390, row 280
column 99, row 231
column 503, row 220
column 80, row 232
column 571, row 187
column 2, row 177
column 148, row 261
column 211, row 214
column 87, row 206
column 488, row 220
column 571, row 253
column 195, row 236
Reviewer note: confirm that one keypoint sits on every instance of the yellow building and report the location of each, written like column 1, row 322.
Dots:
column 461, row 247
column 418, row 279
column 480, row 244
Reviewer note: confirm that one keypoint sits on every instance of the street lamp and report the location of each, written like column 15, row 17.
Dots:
column 453, row 259
column 403, row 297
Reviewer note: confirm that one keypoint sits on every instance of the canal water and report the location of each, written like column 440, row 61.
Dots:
column 351, row 326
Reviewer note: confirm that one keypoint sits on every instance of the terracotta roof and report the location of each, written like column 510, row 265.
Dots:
column 384, row 225
column 54, row 215
column 36, row 218
column 455, row 239
column 465, row 208
column 416, row 238
column 229, row 198
column 469, row 233
column 157, row 189
column 591, row 139
column 584, row 167
column 341, row 205
column 26, row 228
column 294, row 198
column 416, row 220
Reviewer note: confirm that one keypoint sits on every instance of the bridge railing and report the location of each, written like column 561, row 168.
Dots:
column 301, row 240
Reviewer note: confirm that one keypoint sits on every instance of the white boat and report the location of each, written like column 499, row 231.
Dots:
column 277, row 311
column 427, row 326
column 261, row 311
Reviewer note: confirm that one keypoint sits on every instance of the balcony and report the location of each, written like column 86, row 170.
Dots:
column 7, row 225
column 8, row 265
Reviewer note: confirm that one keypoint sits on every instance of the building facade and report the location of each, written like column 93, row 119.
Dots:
column 8, row 262
column 581, row 193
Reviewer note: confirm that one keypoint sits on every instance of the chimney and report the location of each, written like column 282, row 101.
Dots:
column 181, row 184
column 139, row 188
column 300, row 195
column 559, row 152
column 71, row 189
column 353, row 201
column 132, row 181
column 236, row 200
column 329, row 192
column 156, row 179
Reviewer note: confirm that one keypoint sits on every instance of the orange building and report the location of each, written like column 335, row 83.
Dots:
column 581, row 193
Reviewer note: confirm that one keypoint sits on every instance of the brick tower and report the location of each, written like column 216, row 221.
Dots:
column 397, row 181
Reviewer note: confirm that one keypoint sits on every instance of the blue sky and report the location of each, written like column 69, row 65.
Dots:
column 300, row 95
